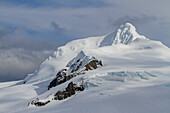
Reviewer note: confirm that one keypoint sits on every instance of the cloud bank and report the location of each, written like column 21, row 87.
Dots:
column 21, row 55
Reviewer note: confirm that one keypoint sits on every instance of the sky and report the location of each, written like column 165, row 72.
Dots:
column 31, row 30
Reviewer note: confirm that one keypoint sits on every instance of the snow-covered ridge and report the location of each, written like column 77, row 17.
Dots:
column 79, row 62
column 77, row 66
column 124, row 42
column 125, row 34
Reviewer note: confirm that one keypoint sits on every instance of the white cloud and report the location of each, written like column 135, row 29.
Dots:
column 20, row 54
column 17, row 63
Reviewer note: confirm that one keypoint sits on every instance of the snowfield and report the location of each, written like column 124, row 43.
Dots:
column 134, row 78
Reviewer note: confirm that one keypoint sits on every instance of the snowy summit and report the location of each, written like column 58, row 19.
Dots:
column 125, row 34
column 121, row 72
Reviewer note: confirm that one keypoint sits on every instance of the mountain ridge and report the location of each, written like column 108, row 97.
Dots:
column 116, row 41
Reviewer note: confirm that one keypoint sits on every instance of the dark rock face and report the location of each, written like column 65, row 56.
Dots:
column 24, row 82
column 38, row 103
column 62, row 76
column 94, row 64
column 70, row 90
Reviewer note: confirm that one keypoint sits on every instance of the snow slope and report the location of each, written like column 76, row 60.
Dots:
column 134, row 77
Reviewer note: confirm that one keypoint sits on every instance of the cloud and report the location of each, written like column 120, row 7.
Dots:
column 3, row 32
column 58, row 3
column 17, row 63
column 21, row 54
column 57, row 28
column 143, row 19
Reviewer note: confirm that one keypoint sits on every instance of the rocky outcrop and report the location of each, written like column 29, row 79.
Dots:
column 61, row 77
column 38, row 103
column 77, row 66
column 70, row 90
column 94, row 64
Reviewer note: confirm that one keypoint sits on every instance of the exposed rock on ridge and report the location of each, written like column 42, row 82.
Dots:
column 77, row 66
column 70, row 90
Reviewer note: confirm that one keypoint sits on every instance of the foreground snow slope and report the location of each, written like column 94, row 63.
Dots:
column 134, row 77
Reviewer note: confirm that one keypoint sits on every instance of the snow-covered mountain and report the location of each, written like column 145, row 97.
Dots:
column 124, row 43
column 126, row 34
column 120, row 72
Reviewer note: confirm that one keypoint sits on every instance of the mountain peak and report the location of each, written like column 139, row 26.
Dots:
column 128, row 25
column 81, row 54
column 81, row 58
column 125, row 34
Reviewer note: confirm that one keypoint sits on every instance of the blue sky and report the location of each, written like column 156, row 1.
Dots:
column 30, row 30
